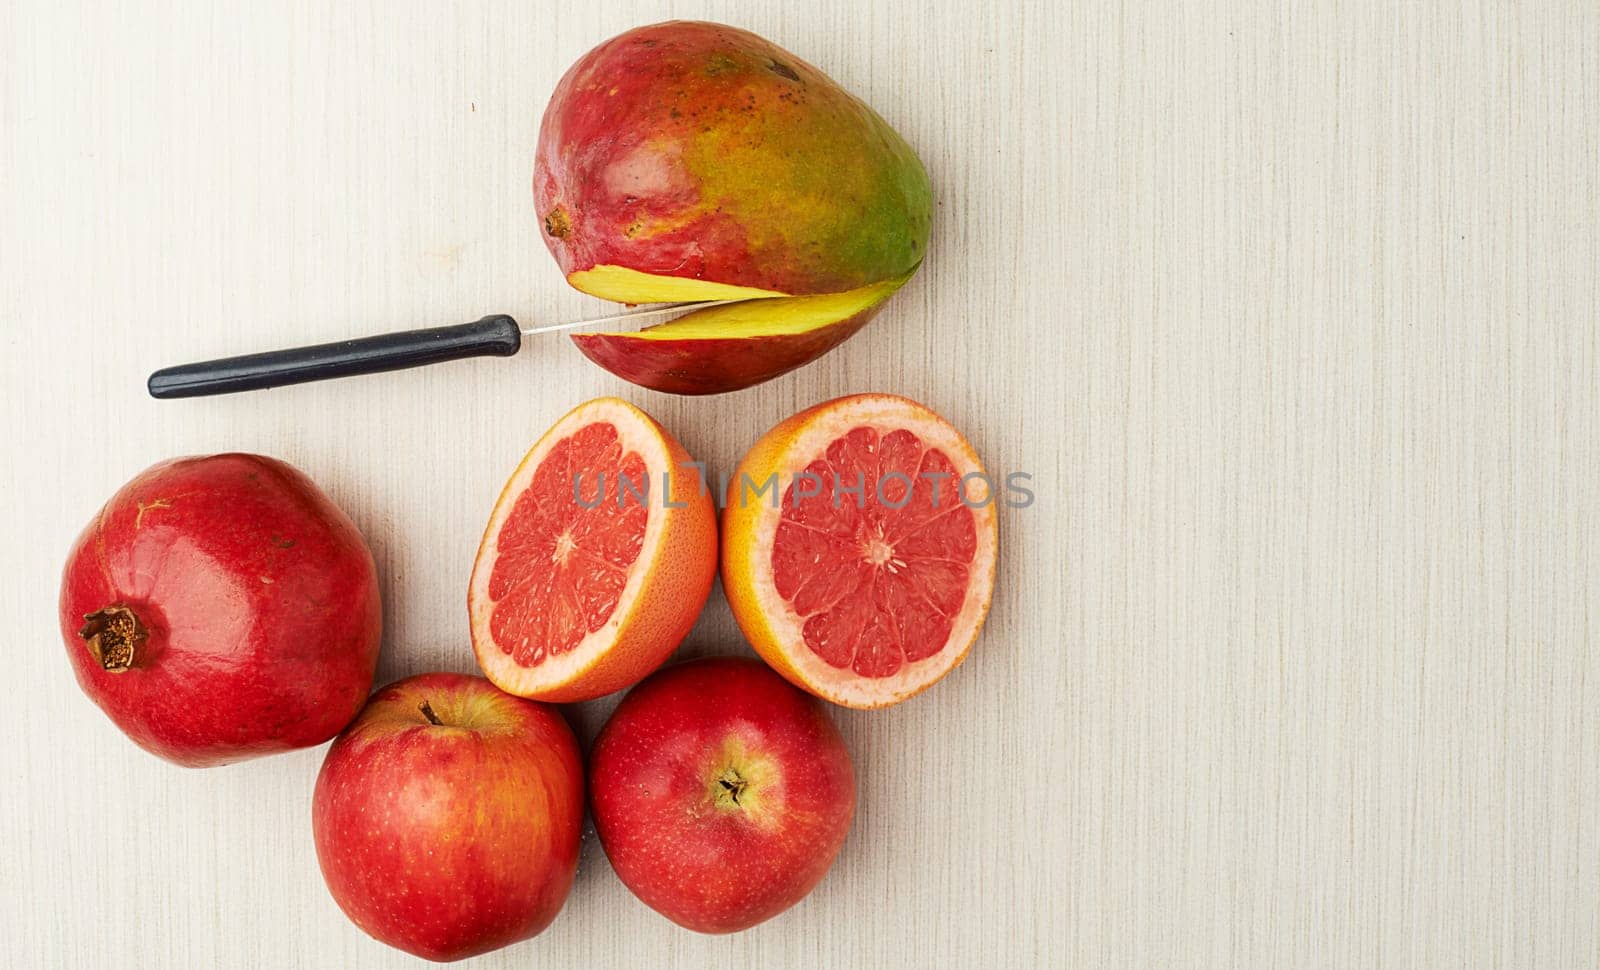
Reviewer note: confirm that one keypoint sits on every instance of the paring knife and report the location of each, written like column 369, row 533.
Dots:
column 497, row 335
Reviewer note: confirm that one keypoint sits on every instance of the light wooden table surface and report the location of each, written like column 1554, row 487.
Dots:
column 1289, row 308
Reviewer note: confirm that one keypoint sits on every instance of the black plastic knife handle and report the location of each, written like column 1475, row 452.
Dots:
column 493, row 336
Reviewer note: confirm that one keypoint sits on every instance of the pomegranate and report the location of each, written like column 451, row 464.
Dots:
column 222, row 607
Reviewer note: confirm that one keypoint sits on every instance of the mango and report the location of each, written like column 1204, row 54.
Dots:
column 690, row 161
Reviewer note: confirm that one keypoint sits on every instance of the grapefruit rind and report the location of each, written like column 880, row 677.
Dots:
column 666, row 588
column 770, row 623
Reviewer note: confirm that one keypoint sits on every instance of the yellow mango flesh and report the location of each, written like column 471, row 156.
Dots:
column 772, row 317
column 631, row 286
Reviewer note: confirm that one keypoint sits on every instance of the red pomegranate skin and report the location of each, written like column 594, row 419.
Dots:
column 721, row 793
column 258, row 603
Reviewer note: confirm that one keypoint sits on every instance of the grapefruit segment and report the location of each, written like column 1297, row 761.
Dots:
column 597, row 558
column 868, row 580
column 562, row 566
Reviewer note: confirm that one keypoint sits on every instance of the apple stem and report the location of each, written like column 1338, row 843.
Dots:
column 113, row 636
column 427, row 712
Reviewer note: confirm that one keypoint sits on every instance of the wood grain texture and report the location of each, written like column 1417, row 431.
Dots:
column 1289, row 308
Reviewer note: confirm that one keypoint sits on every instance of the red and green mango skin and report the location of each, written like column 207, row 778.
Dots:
column 701, row 151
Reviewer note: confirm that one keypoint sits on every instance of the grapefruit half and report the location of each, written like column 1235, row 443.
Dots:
column 597, row 559
column 858, row 548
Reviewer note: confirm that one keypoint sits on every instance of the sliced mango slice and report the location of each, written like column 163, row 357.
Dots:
column 726, row 348
column 631, row 286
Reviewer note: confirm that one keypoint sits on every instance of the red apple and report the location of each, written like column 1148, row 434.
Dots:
column 447, row 816
column 720, row 793
column 221, row 607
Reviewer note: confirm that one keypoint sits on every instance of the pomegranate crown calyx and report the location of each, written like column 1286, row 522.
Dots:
column 113, row 636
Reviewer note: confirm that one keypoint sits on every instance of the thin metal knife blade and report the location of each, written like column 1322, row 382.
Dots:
column 629, row 316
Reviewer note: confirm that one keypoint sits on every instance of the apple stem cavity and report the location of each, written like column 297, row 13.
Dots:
column 730, row 785
column 427, row 712
column 113, row 636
